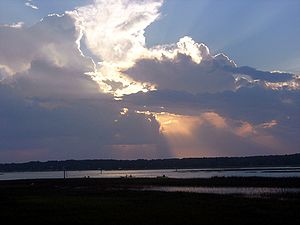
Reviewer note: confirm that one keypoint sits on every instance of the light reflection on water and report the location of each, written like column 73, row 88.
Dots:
column 182, row 173
column 245, row 191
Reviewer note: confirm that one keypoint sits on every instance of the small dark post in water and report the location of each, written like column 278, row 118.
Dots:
column 64, row 173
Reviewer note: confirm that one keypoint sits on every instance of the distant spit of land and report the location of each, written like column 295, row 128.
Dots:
column 143, row 164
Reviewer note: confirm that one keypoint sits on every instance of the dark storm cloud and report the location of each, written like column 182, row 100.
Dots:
column 73, row 129
column 261, row 75
column 214, row 74
column 255, row 104
column 183, row 74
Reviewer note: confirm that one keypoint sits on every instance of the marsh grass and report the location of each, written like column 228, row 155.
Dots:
column 63, row 202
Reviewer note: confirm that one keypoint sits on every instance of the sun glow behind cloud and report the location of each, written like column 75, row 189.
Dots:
column 114, row 32
column 209, row 133
column 181, row 130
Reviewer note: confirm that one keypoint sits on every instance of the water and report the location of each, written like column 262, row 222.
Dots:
column 245, row 191
column 182, row 173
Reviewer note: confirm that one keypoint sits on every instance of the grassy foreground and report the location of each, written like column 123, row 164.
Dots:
column 109, row 202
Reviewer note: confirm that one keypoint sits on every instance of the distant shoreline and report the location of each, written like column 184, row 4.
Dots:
column 154, row 164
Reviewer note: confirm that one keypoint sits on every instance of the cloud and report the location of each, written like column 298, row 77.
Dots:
column 186, row 66
column 114, row 34
column 210, row 134
column 117, row 44
column 255, row 104
column 114, row 30
column 46, row 59
column 273, row 76
column 19, row 24
column 52, row 39
column 59, row 77
column 74, row 128
column 189, row 66
column 275, row 80
column 29, row 4
column 45, row 79
column 51, row 109
column 251, row 120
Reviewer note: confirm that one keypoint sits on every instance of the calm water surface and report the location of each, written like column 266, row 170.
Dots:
column 182, row 173
column 245, row 191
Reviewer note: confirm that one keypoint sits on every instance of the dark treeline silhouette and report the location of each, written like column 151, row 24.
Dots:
column 174, row 163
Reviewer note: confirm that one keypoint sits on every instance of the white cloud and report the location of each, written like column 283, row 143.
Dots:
column 114, row 29
column 185, row 46
column 186, row 66
column 29, row 4
column 114, row 32
column 288, row 85
column 46, row 59
column 19, row 24
column 5, row 72
column 53, row 39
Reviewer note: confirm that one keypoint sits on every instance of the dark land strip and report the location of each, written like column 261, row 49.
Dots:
column 111, row 201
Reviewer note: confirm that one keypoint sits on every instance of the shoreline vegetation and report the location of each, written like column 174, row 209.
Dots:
column 113, row 201
column 143, row 164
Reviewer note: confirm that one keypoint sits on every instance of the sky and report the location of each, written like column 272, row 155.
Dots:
column 128, row 79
